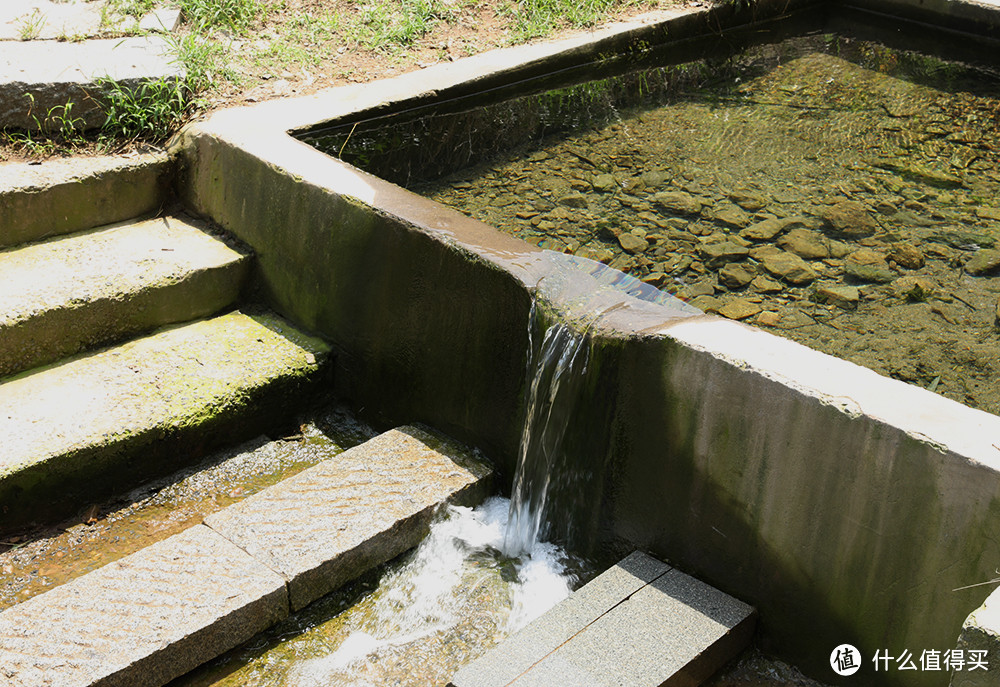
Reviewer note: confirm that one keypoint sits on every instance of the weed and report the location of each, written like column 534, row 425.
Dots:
column 235, row 15
column 389, row 24
column 202, row 60
column 150, row 112
column 30, row 25
column 130, row 8
column 537, row 18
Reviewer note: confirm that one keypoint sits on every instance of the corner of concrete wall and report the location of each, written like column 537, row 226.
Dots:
column 425, row 331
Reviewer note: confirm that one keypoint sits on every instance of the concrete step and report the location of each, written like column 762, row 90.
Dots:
column 188, row 598
column 66, row 195
column 641, row 623
column 46, row 84
column 91, row 288
column 97, row 424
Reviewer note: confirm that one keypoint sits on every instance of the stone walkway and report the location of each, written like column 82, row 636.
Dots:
column 55, row 53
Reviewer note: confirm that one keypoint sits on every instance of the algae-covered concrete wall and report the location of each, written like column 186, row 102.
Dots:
column 423, row 330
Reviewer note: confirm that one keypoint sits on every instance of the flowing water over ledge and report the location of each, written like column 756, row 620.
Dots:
column 413, row 622
column 835, row 191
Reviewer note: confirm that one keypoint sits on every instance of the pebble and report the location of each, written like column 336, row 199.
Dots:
column 762, row 284
column 734, row 276
column 574, row 200
column 769, row 318
column 720, row 253
column 806, row 244
column 731, row 216
column 912, row 288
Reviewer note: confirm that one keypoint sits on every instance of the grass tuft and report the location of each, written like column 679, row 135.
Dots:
column 235, row 15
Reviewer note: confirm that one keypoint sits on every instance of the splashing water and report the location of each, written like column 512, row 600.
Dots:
column 454, row 599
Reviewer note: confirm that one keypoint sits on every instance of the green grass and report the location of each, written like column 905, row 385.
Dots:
column 151, row 112
column 395, row 24
column 235, row 15
column 539, row 18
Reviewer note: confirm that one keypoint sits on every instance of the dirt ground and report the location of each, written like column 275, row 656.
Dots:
column 298, row 47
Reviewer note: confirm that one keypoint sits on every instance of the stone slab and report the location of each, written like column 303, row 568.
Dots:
column 75, row 19
column 981, row 633
column 660, row 628
column 518, row 653
column 144, row 619
column 65, row 195
column 39, row 78
column 330, row 523
column 83, row 290
column 99, row 423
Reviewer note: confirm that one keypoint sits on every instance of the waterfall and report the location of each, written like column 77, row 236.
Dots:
column 555, row 370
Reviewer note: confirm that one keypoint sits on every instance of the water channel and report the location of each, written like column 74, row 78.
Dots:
column 829, row 189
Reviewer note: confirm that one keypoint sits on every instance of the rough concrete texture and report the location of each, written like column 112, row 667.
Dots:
column 844, row 505
column 65, row 195
column 981, row 632
column 98, row 423
column 44, row 83
column 330, row 523
column 661, row 627
column 75, row 20
column 78, row 291
column 142, row 620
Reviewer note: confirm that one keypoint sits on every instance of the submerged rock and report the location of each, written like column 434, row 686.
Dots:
column 722, row 252
column 806, row 244
column 914, row 289
column 789, row 267
column 678, row 202
column 984, row 262
column 849, row 219
column 868, row 273
column 604, row 182
column 739, row 309
column 734, row 276
column 957, row 237
column 765, row 230
column 731, row 216
column 748, row 201
column 762, row 284
column 574, row 200
column 906, row 255
column 632, row 243
column 845, row 297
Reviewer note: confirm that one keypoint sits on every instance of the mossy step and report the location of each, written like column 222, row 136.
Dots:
column 100, row 423
column 94, row 287
column 64, row 195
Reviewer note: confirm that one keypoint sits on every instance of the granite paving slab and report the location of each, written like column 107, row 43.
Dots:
column 142, row 620
column 330, row 523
